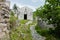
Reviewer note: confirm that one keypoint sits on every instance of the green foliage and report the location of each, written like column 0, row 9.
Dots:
column 50, row 38
column 46, row 33
column 15, row 7
column 51, row 12
column 21, row 33
column 39, row 12
column 23, row 21
column 34, row 15
column 14, row 35
column 12, row 20
column 42, row 32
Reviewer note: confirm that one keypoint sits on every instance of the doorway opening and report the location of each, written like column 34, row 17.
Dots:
column 25, row 16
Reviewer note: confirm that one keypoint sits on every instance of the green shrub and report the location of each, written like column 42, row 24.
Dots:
column 50, row 38
column 42, row 32
column 12, row 20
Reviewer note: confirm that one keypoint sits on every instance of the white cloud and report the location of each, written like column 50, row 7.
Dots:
column 32, row 7
column 35, row 0
column 20, row 5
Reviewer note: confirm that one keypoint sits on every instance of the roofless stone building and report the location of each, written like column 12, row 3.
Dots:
column 4, row 19
column 25, row 13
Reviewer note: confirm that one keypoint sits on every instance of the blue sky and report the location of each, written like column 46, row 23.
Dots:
column 30, row 3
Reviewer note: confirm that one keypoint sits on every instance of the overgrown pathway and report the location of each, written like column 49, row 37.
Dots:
column 35, row 35
column 26, row 32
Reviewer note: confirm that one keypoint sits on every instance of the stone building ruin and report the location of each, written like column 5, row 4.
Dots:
column 25, row 13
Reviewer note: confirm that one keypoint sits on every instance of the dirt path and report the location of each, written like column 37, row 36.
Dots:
column 35, row 35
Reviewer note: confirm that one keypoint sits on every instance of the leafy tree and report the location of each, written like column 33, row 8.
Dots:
column 15, row 9
column 51, row 12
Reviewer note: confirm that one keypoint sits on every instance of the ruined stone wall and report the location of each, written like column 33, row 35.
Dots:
column 4, row 21
column 44, row 24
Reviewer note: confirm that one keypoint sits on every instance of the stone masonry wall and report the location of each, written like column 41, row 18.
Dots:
column 4, row 21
